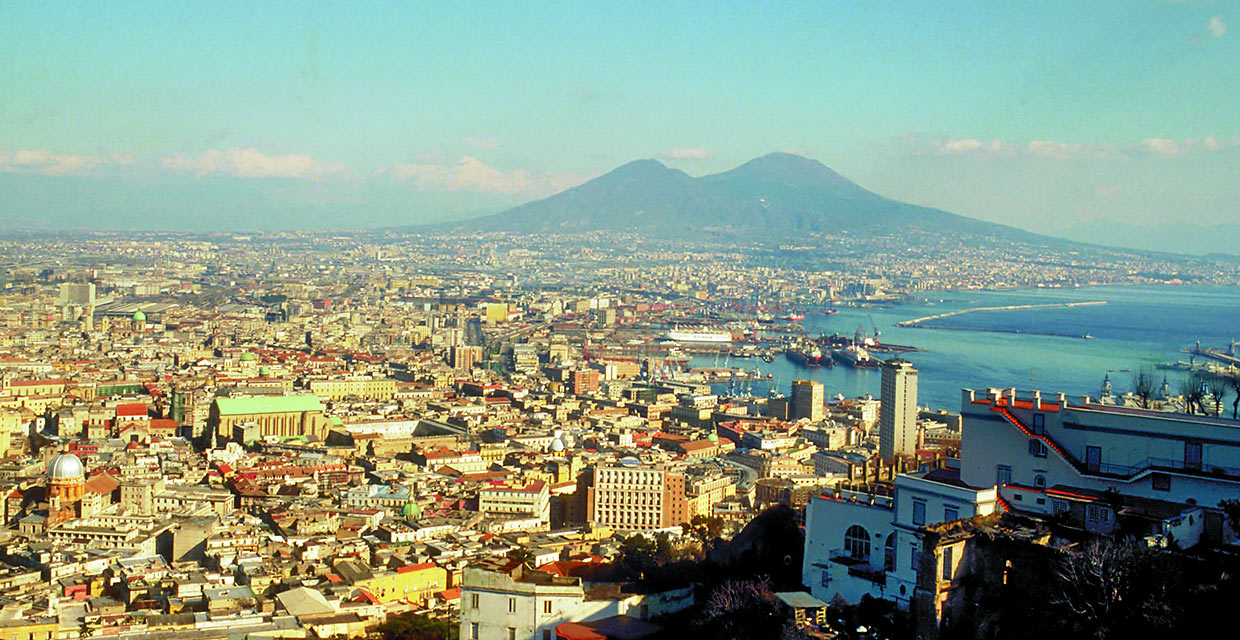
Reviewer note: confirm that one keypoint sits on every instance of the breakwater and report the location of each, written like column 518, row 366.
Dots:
column 920, row 323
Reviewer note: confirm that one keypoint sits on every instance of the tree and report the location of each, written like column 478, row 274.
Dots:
column 1217, row 386
column 525, row 555
column 1143, row 387
column 1232, row 510
column 1234, row 382
column 416, row 627
column 740, row 609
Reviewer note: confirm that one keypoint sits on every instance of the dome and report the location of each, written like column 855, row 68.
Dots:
column 247, row 357
column 713, row 437
column 66, row 466
column 557, row 445
column 138, row 316
column 264, row 371
column 410, row 511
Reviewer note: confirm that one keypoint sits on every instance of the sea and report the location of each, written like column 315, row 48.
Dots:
column 1138, row 326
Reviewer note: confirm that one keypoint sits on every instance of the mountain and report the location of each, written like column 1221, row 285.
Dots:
column 777, row 197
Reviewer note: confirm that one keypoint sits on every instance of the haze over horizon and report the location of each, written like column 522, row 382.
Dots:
column 1059, row 118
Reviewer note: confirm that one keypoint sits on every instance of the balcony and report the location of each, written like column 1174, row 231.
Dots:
column 858, row 567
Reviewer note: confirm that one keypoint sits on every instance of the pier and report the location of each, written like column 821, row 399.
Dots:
column 919, row 323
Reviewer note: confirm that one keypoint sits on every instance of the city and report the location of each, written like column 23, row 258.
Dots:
column 619, row 321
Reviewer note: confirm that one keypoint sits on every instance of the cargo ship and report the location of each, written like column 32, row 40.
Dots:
column 856, row 357
column 809, row 357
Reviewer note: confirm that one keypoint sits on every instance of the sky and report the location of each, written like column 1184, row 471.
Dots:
column 1043, row 115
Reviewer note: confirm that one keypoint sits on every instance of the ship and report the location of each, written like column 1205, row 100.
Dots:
column 857, row 357
column 715, row 337
column 808, row 357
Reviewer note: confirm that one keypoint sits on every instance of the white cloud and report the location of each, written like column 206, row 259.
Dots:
column 691, row 153
column 252, row 163
column 44, row 162
column 472, row 174
column 1216, row 26
column 1166, row 146
column 965, row 145
column 482, row 142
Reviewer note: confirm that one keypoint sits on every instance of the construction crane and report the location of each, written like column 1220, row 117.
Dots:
column 875, row 325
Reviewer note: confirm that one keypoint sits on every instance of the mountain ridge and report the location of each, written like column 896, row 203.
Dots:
column 775, row 197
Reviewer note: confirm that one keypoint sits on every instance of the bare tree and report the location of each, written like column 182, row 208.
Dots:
column 1234, row 382
column 1093, row 581
column 1218, row 386
column 1188, row 387
column 1143, row 386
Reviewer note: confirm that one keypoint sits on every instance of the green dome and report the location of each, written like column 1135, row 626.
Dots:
column 264, row 371
column 410, row 511
column 138, row 316
column 713, row 437
column 247, row 357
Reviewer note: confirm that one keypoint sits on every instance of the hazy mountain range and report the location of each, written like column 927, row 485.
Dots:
column 778, row 197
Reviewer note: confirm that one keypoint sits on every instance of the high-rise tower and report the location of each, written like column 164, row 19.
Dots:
column 897, row 417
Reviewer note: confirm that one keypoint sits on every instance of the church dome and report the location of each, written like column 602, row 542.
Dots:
column 247, row 357
column 139, row 316
column 557, row 445
column 66, row 466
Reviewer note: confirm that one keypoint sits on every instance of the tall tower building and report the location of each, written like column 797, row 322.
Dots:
column 897, row 417
column 807, row 400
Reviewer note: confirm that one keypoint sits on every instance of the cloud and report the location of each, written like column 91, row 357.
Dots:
column 472, row 174
column 692, row 153
column 251, row 163
column 482, row 142
column 44, row 162
column 796, row 151
column 1060, row 150
column 1216, row 26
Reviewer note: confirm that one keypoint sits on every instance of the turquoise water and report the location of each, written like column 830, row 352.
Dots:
column 1138, row 326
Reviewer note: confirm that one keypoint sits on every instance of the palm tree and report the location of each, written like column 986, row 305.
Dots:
column 525, row 555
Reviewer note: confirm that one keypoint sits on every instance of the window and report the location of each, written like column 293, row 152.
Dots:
column 826, row 578
column 857, row 542
column 473, row 601
column 512, row 605
column 1037, row 448
column 473, row 631
column 912, row 556
column 546, row 634
column 512, row 633
column 1039, row 481
column 547, row 607
column 889, row 553
column 948, row 552
column 1192, row 455
column 1093, row 459
column 950, row 514
column 1003, row 474
column 919, row 512
column 1098, row 513
column 1059, row 506
column 1161, row 482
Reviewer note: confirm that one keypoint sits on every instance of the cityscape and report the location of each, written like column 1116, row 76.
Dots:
column 264, row 394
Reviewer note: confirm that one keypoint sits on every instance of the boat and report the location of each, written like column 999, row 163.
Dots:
column 808, row 357
column 857, row 357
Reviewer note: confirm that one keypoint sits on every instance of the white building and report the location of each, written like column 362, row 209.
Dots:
column 866, row 543
column 501, row 600
column 1036, row 450
column 532, row 500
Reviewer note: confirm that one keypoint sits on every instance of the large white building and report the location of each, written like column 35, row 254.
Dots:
column 897, row 416
column 532, row 500
column 1043, row 452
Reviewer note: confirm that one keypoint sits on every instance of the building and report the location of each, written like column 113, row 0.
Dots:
column 584, row 381
column 360, row 388
column 502, row 600
column 807, row 397
column 1046, row 456
column 860, row 543
column 897, row 416
column 462, row 358
column 77, row 294
column 532, row 500
column 636, row 498
column 291, row 415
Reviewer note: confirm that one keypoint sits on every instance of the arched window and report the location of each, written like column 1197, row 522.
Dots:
column 1039, row 481
column 857, row 542
column 889, row 554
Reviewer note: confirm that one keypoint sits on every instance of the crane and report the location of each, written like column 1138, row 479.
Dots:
column 875, row 325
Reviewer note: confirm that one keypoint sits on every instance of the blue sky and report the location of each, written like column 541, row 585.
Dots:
column 336, row 115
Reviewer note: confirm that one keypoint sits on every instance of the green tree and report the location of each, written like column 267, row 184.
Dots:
column 418, row 627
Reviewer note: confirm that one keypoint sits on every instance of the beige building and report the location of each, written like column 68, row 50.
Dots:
column 361, row 388
column 293, row 415
column 636, row 498
column 807, row 400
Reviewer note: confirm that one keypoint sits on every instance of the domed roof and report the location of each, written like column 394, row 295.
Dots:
column 139, row 316
column 66, row 466
column 713, row 437
column 411, row 510
column 247, row 357
column 264, row 371
column 557, row 445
